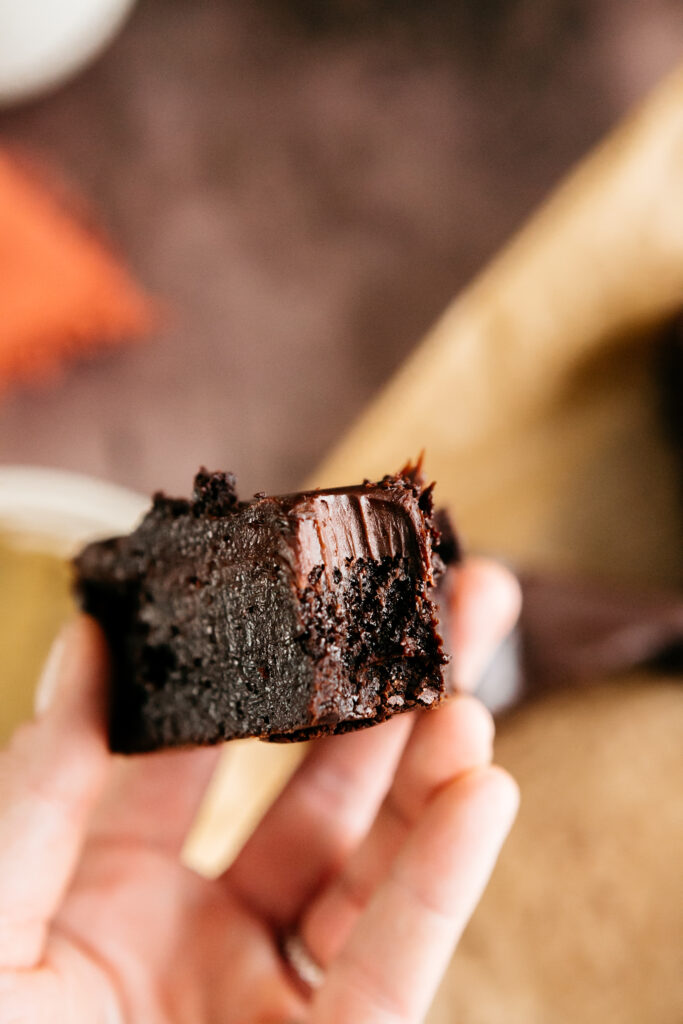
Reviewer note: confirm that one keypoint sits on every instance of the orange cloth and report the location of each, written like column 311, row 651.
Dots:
column 61, row 292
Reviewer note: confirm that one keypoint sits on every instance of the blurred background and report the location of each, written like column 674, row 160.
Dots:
column 224, row 225
column 301, row 187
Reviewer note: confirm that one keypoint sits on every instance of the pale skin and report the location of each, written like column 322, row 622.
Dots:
column 377, row 852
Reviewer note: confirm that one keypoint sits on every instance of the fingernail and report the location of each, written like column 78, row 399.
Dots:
column 51, row 674
column 485, row 604
column 475, row 646
column 469, row 666
column 508, row 797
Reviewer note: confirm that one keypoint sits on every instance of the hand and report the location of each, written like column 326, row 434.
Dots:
column 377, row 852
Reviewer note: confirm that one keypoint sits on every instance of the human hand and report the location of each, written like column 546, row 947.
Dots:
column 376, row 853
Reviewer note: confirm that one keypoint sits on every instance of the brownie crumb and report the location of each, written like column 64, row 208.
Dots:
column 280, row 617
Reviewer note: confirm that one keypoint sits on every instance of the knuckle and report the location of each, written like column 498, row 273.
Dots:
column 17, row 999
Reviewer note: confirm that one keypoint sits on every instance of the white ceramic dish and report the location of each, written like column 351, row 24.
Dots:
column 45, row 42
column 58, row 511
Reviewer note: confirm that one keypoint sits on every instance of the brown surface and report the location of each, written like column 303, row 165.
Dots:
column 581, row 922
column 307, row 200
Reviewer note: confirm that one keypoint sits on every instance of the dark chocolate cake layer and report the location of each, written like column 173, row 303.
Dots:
column 280, row 617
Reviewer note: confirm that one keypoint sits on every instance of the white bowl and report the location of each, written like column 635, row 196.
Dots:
column 53, row 510
column 44, row 42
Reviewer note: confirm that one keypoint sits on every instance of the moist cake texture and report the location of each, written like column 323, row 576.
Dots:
column 280, row 617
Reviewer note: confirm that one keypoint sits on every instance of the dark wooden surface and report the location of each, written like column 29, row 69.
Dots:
column 306, row 191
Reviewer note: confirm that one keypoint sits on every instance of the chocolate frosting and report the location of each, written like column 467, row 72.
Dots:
column 393, row 518
column 335, row 529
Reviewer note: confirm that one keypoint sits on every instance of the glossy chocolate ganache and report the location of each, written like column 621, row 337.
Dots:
column 279, row 617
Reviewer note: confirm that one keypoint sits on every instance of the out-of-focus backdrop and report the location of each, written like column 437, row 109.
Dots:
column 279, row 198
column 304, row 186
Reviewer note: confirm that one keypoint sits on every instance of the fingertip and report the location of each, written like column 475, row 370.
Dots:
column 460, row 732
column 499, row 793
column 446, row 745
column 86, row 632
column 466, row 824
column 488, row 581
column 485, row 602
column 76, row 665
column 410, row 926
column 476, row 719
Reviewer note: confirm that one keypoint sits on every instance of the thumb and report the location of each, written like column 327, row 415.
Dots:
column 51, row 775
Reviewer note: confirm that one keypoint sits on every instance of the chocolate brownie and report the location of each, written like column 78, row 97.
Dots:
column 280, row 617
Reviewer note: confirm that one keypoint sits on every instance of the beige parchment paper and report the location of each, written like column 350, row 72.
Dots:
column 535, row 399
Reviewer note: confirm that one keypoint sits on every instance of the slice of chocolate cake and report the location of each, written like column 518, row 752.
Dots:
column 280, row 617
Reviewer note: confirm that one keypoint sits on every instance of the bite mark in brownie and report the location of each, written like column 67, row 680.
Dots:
column 280, row 617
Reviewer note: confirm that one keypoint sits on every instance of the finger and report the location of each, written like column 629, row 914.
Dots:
column 69, row 987
column 484, row 601
column 321, row 815
column 395, row 958
column 330, row 803
column 50, row 778
column 152, row 799
column 444, row 744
